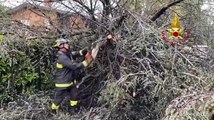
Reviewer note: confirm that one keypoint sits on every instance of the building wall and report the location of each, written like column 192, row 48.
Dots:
column 77, row 22
column 35, row 18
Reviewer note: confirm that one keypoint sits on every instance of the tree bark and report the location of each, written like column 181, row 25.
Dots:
column 161, row 11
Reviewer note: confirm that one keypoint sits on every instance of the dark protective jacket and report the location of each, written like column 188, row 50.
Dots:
column 66, row 69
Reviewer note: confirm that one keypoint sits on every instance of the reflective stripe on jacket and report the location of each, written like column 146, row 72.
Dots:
column 66, row 70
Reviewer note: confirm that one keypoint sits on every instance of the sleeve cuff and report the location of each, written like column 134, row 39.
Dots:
column 85, row 63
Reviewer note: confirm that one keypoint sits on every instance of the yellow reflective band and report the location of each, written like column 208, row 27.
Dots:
column 64, row 85
column 54, row 106
column 56, row 45
column 81, row 53
column 59, row 65
column 85, row 63
column 73, row 103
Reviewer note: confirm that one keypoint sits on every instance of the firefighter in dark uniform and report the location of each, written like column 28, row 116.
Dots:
column 67, row 69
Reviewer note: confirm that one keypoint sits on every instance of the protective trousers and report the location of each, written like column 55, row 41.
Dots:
column 61, row 93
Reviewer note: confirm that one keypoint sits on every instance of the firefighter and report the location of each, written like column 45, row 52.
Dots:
column 66, row 71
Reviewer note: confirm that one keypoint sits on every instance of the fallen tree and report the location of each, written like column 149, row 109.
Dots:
column 135, row 76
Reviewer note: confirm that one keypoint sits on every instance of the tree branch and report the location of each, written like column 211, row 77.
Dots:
column 161, row 11
column 106, row 7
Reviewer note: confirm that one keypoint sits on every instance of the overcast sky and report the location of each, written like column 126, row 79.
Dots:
column 14, row 3
column 11, row 3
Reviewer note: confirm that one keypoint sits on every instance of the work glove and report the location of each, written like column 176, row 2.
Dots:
column 83, row 52
column 88, row 59
column 109, row 37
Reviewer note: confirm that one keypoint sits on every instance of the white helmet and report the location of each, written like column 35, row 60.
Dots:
column 60, row 42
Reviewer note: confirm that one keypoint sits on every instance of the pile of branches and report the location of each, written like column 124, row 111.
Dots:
column 135, row 76
column 141, row 74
